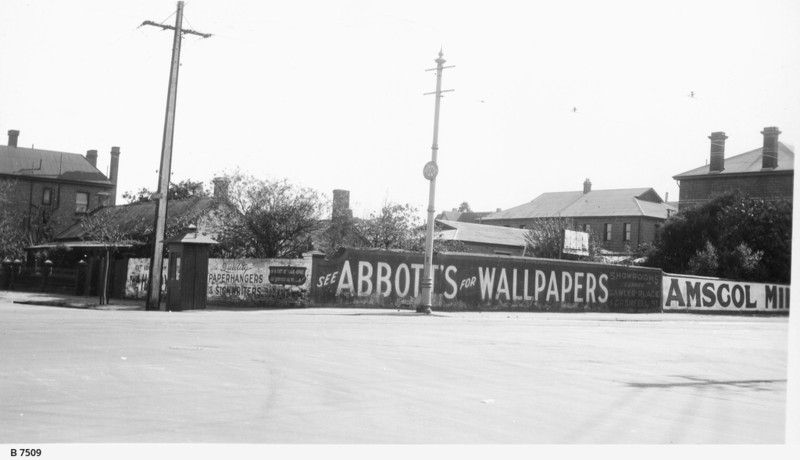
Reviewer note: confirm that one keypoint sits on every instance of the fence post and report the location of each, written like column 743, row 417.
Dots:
column 7, row 273
column 16, row 270
column 312, row 261
column 48, row 270
column 80, row 279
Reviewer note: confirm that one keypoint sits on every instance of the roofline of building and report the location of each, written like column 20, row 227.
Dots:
column 71, row 244
column 487, row 243
column 734, row 174
column 33, row 178
column 637, row 216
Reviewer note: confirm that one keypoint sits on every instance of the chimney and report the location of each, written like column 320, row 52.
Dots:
column 91, row 157
column 13, row 136
column 717, row 162
column 113, row 174
column 769, row 154
column 587, row 186
column 341, row 205
column 220, row 187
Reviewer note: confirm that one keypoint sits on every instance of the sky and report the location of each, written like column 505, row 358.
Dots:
column 330, row 94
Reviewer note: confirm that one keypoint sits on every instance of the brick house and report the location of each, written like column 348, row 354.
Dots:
column 766, row 172
column 621, row 219
column 56, row 188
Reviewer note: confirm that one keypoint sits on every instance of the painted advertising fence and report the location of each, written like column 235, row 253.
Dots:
column 137, row 277
column 483, row 282
column 245, row 282
column 258, row 281
column 376, row 278
column 693, row 293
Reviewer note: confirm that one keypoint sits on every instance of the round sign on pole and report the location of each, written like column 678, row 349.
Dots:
column 431, row 170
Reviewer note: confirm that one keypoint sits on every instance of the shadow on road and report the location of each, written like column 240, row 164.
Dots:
column 697, row 382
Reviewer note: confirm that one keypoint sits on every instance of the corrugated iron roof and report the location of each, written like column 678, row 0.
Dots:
column 139, row 217
column 84, row 244
column 49, row 164
column 748, row 162
column 596, row 203
column 479, row 233
column 458, row 216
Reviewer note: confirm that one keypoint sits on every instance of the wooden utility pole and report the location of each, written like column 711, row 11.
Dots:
column 156, row 262
column 430, row 171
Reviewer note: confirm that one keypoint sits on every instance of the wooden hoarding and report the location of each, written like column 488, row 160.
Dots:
column 477, row 282
column 692, row 293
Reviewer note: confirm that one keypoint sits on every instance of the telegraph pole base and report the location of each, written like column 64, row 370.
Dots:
column 424, row 309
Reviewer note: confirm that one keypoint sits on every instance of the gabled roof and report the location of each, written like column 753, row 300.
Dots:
column 458, row 216
column 748, row 162
column 479, row 233
column 138, row 218
column 643, row 202
column 49, row 164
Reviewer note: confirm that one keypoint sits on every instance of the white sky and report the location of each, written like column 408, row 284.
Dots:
column 329, row 94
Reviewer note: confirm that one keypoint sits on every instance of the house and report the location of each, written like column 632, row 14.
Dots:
column 78, row 243
column 621, row 219
column 483, row 239
column 138, row 219
column 766, row 172
column 51, row 188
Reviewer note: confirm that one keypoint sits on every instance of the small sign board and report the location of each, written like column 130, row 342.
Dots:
column 576, row 243
column 287, row 275
column 431, row 170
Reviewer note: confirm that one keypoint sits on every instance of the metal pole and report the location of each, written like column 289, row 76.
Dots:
column 154, row 286
column 430, row 172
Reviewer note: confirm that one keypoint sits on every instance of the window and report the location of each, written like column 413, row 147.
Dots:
column 607, row 233
column 522, row 226
column 81, row 202
column 47, row 196
column 587, row 228
column 626, row 235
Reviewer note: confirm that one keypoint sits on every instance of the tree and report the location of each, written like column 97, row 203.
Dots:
column 341, row 232
column 545, row 238
column 12, row 238
column 186, row 188
column 395, row 226
column 101, row 227
column 705, row 262
column 464, row 207
column 19, row 229
column 266, row 218
column 751, row 238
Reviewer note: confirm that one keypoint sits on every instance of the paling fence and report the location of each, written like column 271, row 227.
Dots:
column 78, row 279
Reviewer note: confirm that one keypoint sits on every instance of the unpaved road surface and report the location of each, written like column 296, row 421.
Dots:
column 361, row 376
